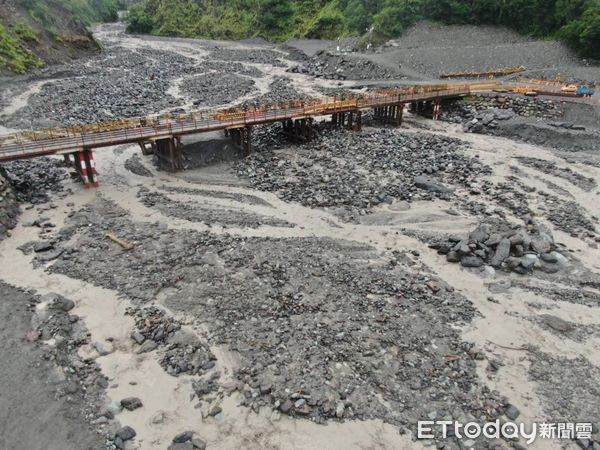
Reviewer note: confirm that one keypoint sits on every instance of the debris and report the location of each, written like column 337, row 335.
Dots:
column 122, row 243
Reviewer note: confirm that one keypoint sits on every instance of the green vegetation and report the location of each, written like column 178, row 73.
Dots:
column 87, row 11
column 577, row 22
column 14, row 55
column 24, row 35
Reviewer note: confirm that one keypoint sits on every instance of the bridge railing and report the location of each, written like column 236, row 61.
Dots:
column 164, row 125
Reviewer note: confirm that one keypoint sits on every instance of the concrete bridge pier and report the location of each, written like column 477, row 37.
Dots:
column 358, row 121
column 437, row 109
column 168, row 153
column 246, row 137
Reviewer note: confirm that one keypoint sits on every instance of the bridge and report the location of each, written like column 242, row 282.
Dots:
column 161, row 134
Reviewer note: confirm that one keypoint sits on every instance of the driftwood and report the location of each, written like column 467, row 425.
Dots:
column 122, row 243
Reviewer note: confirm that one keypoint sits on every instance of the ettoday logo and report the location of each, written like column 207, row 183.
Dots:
column 426, row 429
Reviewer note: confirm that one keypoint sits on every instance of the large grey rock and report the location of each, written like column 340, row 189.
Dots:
column 147, row 346
column 502, row 252
column 181, row 446
column 512, row 412
column 428, row 184
column 131, row 403
column 528, row 261
column 471, row 261
column 540, row 245
column 42, row 246
column 556, row 323
column 57, row 301
column 198, row 444
column 183, row 437
column 126, row 433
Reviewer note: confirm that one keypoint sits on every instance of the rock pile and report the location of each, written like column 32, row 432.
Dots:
column 207, row 214
column 181, row 352
column 255, row 56
column 319, row 333
column 354, row 171
column 9, row 208
column 33, row 179
column 280, row 90
column 134, row 165
column 152, row 327
column 211, row 89
column 563, row 171
column 186, row 441
column 513, row 248
column 487, row 119
column 236, row 67
column 126, row 83
column 337, row 67
column 522, row 106
column 53, row 321
column 567, row 126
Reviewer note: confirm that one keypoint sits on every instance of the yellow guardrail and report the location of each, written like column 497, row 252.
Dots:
column 207, row 118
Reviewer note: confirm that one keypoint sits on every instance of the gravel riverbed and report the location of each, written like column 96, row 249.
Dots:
column 364, row 280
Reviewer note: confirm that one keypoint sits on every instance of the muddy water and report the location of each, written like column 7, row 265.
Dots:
column 168, row 404
column 501, row 333
column 503, row 339
column 168, row 408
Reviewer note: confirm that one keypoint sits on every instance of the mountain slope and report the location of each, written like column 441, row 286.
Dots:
column 38, row 32
column 575, row 21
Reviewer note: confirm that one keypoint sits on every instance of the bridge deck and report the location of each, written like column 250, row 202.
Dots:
column 65, row 140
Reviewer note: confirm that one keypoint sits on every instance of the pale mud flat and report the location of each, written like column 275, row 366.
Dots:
column 168, row 408
column 500, row 333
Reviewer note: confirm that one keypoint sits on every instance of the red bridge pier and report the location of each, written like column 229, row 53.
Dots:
column 83, row 163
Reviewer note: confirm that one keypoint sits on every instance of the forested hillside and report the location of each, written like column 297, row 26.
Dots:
column 36, row 32
column 577, row 22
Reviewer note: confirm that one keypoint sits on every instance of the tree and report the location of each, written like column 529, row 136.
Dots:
column 396, row 16
column 356, row 14
column 584, row 34
column 138, row 21
column 330, row 24
column 274, row 17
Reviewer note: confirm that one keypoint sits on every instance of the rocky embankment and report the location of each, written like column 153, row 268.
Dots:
column 26, row 181
column 9, row 207
column 485, row 110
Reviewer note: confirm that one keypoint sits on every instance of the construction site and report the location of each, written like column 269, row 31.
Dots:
column 210, row 244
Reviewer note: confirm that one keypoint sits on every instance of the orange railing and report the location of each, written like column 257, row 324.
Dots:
column 60, row 140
